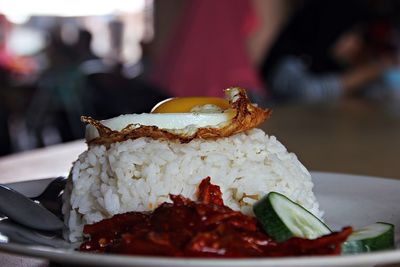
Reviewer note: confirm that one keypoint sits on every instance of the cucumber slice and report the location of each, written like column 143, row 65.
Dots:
column 377, row 236
column 282, row 218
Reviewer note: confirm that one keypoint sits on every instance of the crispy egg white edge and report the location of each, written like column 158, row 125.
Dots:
column 167, row 121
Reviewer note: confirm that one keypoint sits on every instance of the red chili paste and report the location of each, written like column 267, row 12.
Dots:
column 205, row 228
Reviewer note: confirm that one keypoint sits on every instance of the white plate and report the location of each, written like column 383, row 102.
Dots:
column 346, row 200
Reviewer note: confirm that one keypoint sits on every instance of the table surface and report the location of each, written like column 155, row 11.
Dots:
column 350, row 137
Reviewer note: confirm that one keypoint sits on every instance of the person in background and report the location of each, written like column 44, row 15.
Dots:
column 6, row 71
column 83, row 48
column 322, row 54
column 206, row 50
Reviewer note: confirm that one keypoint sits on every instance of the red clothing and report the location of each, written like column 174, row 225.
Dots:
column 207, row 52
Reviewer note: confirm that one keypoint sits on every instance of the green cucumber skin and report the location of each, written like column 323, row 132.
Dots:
column 270, row 220
column 272, row 223
column 383, row 242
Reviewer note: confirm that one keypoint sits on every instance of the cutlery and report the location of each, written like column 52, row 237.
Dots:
column 29, row 213
column 11, row 232
column 51, row 197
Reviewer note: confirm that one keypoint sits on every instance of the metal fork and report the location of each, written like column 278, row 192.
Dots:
column 51, row 197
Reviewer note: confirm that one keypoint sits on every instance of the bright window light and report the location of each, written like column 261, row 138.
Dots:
column 19, row 10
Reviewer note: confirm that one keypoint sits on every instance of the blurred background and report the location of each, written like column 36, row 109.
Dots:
column 63, row 59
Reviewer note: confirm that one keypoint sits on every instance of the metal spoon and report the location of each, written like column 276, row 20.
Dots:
column 27, row 212
column 11, row 232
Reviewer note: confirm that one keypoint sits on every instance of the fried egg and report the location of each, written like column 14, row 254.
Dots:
column 191, row 104
column 182, row 119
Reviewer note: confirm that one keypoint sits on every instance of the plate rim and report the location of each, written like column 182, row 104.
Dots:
column 57, row 255
column 75, row 257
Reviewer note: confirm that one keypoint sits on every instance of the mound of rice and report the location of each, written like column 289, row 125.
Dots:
column 138, row 175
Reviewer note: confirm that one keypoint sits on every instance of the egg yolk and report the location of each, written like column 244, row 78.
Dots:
column 185, row 104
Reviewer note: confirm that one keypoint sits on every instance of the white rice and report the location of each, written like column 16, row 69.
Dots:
column 138, row 175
